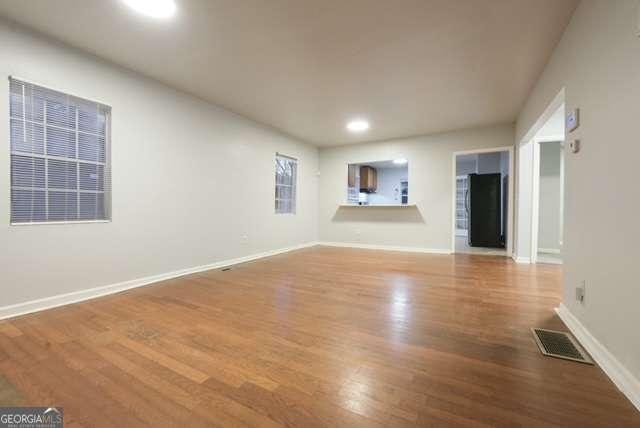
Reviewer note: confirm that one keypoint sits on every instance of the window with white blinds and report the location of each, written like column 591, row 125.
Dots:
column 286, row 170
column 60, row 166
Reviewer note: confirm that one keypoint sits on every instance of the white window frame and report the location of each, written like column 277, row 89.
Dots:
column 106, row 165
column 293, row 186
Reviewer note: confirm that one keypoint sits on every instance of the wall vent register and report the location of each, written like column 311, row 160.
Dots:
column 60, row 156
column 560, row 344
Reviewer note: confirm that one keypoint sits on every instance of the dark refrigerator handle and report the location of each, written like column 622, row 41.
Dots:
column 466, row 201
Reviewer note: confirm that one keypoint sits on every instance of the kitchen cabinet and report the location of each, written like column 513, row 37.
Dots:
column 352, row 175
column 368, row 179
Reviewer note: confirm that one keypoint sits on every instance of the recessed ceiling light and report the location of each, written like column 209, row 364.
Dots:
column 153, row 8
column 400, row 161
column 358, row 125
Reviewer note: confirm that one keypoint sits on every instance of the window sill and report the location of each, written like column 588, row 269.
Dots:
column 44, row 223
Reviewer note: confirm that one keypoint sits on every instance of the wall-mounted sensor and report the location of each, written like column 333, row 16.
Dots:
column 575, row 146
column 572, row 121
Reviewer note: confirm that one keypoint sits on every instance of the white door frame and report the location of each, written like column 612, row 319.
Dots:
column 510, row 198
column 528, row 185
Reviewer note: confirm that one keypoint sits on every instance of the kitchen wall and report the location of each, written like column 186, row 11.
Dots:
column 466, row 164
column 427, row 225
column 489, row 163
column 597, row 62
column 483, row 163
column 550, row 193
column 192, row 183
column 388, row 191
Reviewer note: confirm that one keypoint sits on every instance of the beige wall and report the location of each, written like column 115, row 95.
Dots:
column 189, row 181
column 429, row 224
column 598, row 63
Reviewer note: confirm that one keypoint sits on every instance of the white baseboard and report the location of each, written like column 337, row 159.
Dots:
column 621, row 377
column 549, row 261
column 91, row 293
column 386, row 247
column 549, row 250
column 524, row 260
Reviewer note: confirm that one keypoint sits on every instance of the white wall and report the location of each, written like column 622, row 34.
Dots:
column 427, row 226
column 598, row 64
column 549, row 207
column 189, row 180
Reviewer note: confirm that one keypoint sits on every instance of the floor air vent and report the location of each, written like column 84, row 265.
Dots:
column 560, row 345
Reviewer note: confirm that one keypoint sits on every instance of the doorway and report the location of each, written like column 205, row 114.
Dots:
column 548, row 194
column 541, row 194
column 483, row 200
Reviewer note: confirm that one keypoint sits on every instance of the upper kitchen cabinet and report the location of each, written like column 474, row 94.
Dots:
column 368, row 179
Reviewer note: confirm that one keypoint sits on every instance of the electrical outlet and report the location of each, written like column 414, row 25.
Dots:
column 245, row 238
column 581, row 291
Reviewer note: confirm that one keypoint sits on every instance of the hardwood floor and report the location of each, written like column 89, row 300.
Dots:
column 317, row 337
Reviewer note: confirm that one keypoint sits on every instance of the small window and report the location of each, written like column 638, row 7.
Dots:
column 60, row 169
column 286, row 171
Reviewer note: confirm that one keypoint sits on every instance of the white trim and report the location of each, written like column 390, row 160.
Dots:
column 619, row 375
column 551, row 109
column 510, row 199
column 386, row 247
column 91, row 293
column 549, row 250
column 44, row 223
column 535, row 201
column 550, row 139
column 57, row 89
column 549, row 261
column 523, row 260
column 528, row 221
column 562, row 201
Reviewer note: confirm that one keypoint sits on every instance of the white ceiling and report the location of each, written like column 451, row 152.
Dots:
column 306, row 67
